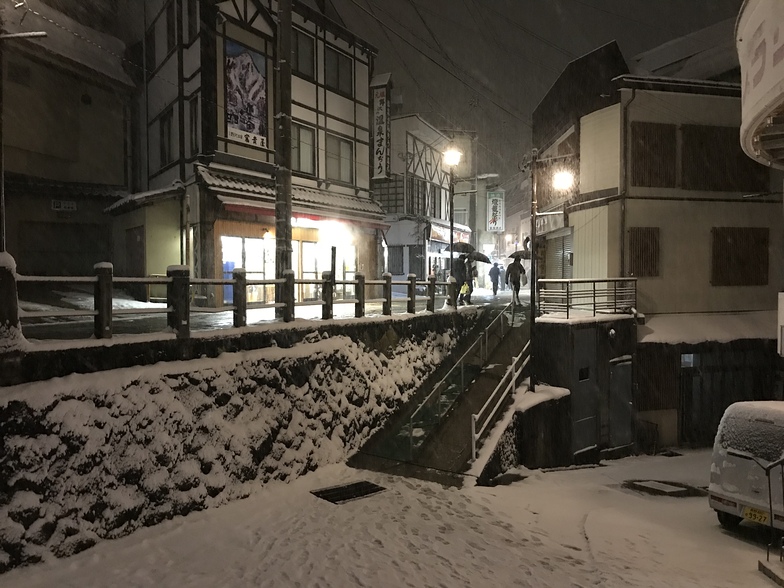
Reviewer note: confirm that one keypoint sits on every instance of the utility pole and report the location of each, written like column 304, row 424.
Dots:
column 532, row 280
column 283, row 149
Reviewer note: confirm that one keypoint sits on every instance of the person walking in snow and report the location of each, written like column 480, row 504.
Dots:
column 495, row 275
column 470, row 275
column 459, row 274
column 515, row 274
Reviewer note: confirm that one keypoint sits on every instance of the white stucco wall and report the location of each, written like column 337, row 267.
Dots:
column 685, row 255
column 600, row 149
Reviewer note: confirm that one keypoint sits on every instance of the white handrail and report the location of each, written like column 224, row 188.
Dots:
column 509, row 388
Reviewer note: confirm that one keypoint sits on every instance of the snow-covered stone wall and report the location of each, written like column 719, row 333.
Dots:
column 94, row 456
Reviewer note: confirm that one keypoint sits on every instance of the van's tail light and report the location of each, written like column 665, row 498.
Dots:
column 724, row 501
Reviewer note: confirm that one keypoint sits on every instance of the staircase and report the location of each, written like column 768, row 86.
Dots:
column 432, row 437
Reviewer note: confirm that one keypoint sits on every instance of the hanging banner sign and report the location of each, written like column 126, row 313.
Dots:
column 381, row 157
column 495, row 211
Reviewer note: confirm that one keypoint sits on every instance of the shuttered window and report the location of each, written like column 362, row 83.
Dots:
column 714, row 161
column 416, row 260
column 395, row 260
column 644, row 252
column 739, row 256
column 653, row 154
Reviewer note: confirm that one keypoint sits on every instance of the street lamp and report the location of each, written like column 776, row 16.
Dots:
column 452, row 159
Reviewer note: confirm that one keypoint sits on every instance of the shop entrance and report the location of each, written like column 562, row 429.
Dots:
column 257, row 257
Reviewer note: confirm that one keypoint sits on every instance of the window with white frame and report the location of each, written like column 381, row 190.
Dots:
column 340, row 159
column 303, row 149
column 338, row 72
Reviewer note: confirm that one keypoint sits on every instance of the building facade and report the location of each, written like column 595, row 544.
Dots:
column 665, row 195
column 205, row 121
column 66, row 101
column 416, row 200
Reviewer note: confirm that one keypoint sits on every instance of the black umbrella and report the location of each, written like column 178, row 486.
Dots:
column 478, row 256
column 461, row 247
column 522, row 254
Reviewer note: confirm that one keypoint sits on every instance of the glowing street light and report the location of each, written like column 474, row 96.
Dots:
column 563, row 180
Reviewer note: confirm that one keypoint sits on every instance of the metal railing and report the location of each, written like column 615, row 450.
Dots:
column 508, row 384
column 445, row 393
column 594, row 296
column 779, row 463
column 181, row 291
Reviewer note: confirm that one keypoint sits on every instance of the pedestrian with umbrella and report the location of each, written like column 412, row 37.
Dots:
column 515, row 275
column 459, row 274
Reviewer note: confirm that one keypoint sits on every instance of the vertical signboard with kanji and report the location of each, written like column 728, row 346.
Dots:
column 495, row 211
column 380, row 150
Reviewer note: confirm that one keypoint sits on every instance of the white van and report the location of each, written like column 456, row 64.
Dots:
column 749, row 434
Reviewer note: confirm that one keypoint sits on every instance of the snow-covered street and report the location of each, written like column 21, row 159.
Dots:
column 575, row 527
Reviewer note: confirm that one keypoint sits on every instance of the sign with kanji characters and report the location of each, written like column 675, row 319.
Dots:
column 495, row 211
column 381, row 159
column 246, row 95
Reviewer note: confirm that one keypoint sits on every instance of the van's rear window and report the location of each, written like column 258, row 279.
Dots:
column 764, row 440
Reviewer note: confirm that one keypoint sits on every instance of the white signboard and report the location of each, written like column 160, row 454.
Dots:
column 495, row 211
column 760, row 44
column 380, row 133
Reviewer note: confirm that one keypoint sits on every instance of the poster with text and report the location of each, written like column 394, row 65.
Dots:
column 246, row 95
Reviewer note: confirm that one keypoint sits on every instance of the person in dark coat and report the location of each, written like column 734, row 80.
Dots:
column 515, row 273
column 470, row 275
column 495, row 275
column 459, row 274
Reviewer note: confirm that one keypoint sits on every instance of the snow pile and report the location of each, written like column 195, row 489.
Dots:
column 97, row 456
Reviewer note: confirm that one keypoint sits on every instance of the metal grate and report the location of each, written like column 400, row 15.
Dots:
column 347, row 492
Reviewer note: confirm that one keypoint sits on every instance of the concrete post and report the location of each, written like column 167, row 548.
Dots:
column 10, row 329
column 387, row 294
column 102, row 300
column 287, row 290
column 431, row 293
column 327, row 295
column 178, row 300
column 240, row 296
column 359, row 309
column 452, row 291
column 411, row 306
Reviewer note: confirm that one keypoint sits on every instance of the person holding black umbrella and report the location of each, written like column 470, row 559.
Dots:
column 459, row 274
column 515, row 274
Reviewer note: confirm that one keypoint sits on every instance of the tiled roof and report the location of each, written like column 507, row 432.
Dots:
column 249, row 189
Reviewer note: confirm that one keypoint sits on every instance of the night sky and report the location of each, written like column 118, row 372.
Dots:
column 484, row 65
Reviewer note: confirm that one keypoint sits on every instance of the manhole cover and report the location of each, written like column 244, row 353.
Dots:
column 662, row 488
column 347, row 492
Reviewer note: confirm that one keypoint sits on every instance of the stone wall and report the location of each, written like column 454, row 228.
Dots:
column 96, row 456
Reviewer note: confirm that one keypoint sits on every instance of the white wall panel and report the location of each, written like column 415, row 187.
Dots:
column 600, row 149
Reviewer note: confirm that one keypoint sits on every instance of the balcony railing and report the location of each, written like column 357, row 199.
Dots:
column 587, row 296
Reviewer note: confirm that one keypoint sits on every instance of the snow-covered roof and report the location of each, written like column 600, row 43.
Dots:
column 247, row 190
column 65, row 38
column 139, row 199
column 703, row 54
column 699, row 328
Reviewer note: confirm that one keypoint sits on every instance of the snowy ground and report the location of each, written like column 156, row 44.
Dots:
column 574, row 527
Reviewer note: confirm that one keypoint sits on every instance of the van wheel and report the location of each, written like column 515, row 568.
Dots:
column 727, row 520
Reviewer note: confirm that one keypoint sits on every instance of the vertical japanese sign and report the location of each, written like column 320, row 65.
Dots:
column 381, row 133
column 495, row 211
column 246, row 95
